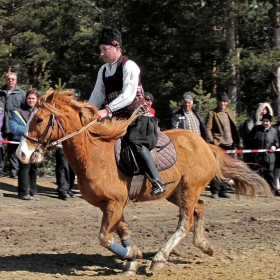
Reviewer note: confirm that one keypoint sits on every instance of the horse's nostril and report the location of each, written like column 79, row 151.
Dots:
column 22, row 156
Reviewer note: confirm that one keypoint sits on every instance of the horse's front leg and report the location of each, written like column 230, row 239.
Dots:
column 131, row 265
column 112, row 222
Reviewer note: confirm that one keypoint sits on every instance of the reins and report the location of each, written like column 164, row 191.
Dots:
column 50, row 124
column 54, row 143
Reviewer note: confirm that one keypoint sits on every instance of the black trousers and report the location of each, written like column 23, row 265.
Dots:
column 65, row 175
column 217, row 187
column 11, row 150
column 27, row 177
column 268, row 175
column 2, row 159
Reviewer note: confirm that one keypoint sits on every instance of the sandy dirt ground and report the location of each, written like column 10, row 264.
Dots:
column 55, row 239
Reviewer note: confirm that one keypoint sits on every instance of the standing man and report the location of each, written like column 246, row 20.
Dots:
column 13, row 97
column 118, row 82
column 222, row 132
column 2, row 151
column 65, row 176
column 189, row 118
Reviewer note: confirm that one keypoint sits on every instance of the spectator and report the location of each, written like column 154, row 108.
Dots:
column 189, row 118
column 13, row 97
column 222, row 132
column 150, row 100
column 264, row 136
column 65, row 175
column 256, row 119
column 27, row 175
column 2, row 151
column 277, row 158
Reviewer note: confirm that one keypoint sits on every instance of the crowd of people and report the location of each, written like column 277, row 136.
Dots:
column 219, row 128
column 15, row 108
column 118, row 92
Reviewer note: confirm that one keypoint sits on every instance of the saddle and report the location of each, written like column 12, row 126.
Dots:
column 164, row 155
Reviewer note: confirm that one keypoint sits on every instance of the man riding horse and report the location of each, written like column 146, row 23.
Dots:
column 119, row 84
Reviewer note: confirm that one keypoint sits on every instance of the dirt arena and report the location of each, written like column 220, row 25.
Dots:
column 55, row 239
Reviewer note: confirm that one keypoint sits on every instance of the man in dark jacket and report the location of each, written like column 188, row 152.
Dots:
column 2, row 160
column 189, row 118
column 277, row 158
column 265, row 136
column 13, row 97
column 65, row 176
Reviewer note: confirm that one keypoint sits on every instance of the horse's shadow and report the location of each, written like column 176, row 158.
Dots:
column 65, row 264
column 70, row 264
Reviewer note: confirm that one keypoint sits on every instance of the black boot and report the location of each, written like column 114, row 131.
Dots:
column 152, row 173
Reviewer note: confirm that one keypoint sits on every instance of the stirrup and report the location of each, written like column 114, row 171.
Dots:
column 157, row 188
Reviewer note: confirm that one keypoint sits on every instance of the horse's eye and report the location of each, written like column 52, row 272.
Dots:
column 39, row 120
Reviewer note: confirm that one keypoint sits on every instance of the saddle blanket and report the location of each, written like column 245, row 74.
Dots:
column 165, row 151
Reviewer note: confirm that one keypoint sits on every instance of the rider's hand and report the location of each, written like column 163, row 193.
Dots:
column 102, row 114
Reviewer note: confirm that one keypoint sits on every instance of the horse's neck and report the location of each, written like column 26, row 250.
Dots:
column 84, row 154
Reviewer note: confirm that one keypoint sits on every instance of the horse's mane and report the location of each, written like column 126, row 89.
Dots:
column 61, row 104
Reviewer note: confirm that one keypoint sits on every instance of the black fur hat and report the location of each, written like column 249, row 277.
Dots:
column 111, row 36
column 223, row 97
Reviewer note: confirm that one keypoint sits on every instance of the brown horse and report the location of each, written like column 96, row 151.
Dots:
column 89, row 147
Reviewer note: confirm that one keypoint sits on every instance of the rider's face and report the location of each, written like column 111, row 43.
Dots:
column 109, row 53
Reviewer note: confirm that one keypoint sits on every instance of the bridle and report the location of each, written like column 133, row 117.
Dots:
column 50, row 126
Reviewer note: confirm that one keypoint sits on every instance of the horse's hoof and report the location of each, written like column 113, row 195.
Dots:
column 210, row 250
column 129, row 273
column 130, row 268
column 133, row 253
column 157, row 266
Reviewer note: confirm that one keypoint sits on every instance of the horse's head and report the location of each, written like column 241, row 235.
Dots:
column 44, row 125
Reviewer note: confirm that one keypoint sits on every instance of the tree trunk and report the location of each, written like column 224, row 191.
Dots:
column 232, row 86
column 276, row 37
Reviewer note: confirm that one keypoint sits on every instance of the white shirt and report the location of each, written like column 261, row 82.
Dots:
column 130, row 83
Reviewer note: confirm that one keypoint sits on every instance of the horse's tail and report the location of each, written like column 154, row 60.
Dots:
column 246, row 181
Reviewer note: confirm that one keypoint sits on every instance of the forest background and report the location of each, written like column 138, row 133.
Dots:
column 205, row 47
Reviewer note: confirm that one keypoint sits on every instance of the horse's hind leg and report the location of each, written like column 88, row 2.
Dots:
column 160, row 258
column 191, row 217
column 198, row 233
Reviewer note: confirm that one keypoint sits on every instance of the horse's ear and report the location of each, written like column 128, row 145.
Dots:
column 51, row 95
